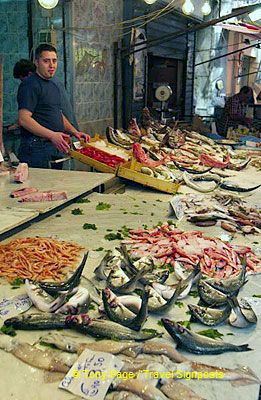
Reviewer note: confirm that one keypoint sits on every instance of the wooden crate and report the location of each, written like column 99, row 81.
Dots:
column 131, row 171
column 90, row 161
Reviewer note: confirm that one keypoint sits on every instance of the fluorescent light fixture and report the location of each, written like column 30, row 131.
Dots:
column 206, row 9
column 255, row 15
column 48, row 4
column 188, row 7
column 150, row 1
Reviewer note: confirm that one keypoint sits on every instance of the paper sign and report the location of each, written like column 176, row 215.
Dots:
column 177, row 207
column 254, row 302
column 14, row 306
column 77, row 145
column 92, row 374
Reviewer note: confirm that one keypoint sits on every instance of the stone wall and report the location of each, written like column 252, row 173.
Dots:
column 93, row 37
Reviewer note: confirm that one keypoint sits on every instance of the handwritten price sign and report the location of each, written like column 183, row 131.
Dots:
column 90, row 376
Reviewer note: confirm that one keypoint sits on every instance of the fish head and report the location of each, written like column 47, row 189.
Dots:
column 174, row 327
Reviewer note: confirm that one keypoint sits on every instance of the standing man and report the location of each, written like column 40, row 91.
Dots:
column 44, row 128
column 235, row 110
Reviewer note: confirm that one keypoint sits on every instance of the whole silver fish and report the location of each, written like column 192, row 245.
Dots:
column 242, row 316
column 42, row 300
column 134, row 322
column 105, row 329
column 198, row 344
column 210, row 316
column 39, row 321
column 211, row 296
column 100, row 270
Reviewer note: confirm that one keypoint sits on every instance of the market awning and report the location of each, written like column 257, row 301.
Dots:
column 246, row 29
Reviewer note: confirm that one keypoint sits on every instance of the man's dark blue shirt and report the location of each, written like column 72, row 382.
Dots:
column 42, row 97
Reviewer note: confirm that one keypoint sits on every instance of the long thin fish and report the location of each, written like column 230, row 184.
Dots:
column 196, row 343
column 105, row 329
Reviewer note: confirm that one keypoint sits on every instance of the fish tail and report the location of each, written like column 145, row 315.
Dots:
column 243, row 347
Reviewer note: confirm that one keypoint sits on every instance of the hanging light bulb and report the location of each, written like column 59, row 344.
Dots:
column 48, row 4
column 206, row 9
column 255, row 15
column 188, row 7
column 150, row 1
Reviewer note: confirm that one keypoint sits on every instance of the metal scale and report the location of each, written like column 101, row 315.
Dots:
column 163, row 94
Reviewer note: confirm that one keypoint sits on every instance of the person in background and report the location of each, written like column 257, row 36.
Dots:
column 235, row 110
column 44, row 127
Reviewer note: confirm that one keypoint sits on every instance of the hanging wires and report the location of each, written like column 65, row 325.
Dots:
column 135, row 22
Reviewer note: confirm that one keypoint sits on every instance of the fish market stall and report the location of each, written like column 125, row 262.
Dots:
column 98, row 225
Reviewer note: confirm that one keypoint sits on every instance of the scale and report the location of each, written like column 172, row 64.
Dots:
column 163, row 94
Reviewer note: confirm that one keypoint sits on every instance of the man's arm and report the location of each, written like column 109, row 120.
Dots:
column 57, row 138
column 71, row 130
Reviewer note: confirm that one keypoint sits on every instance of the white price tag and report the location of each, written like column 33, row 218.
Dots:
column 14, row 306
column 177, row 207
column 255, row 303
column 77, row 145
column 92, row 374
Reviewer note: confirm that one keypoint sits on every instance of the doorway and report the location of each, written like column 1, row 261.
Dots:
column 166, row 71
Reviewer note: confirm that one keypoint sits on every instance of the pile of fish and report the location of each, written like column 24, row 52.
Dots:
column 183, row 149
column 229, row 209
column 122, row 313
column 156, row 367
column 167, row 245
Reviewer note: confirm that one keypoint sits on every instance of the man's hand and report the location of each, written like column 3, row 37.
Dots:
column 82, row 135
column 61, row 141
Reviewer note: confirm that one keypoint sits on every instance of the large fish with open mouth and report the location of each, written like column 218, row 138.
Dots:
column 210, row 316
column 211, row 296
column 134, row 322
column 198, row 344
column 242, row 315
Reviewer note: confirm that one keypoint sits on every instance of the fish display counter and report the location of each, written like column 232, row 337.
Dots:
column 119, row 230
column 22, row 202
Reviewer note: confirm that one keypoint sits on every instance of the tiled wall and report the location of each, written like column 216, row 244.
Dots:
column 14, row 45
column 89, row 54
column 93, row 61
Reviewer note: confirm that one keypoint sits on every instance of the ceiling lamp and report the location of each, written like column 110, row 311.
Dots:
column 255, row 15
column 188, row 7
column 206, row 9
column 48, row 4
column 150, row 1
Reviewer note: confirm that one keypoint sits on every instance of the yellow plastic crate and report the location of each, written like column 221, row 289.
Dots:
column 131, row 171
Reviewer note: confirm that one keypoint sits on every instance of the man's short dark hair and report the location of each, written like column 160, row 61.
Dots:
column 22, row 68
column 44, row 47
column 246, row 89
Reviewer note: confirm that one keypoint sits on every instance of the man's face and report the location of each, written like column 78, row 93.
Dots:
column 46, row 65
